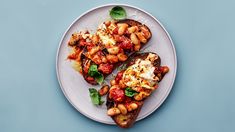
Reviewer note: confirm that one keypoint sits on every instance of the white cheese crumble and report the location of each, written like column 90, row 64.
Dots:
column 141, row 73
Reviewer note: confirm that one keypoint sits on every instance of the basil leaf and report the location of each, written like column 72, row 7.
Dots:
column 118, row 13
column 93, row 72
column 130, row 92
column 99, row 79
column 95, row 97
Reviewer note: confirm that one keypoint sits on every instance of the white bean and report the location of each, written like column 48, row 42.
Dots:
column 122, row 109
column 134, row 39
column 113, row 111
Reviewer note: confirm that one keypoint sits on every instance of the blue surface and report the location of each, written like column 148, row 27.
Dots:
column 203, row 95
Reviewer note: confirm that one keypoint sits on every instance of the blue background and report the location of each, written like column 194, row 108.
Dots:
column 202, row 98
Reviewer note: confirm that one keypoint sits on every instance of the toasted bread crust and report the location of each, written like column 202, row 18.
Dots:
column 84, row 58
column 126, row 121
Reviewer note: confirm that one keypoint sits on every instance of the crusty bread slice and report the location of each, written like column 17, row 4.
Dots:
column 125, row 121
column 84, row 59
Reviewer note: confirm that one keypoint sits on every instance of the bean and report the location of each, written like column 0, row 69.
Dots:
column 104, row 90
column 122, row 57
column 141, row 37
column 122, row 108
column 113, row 111
column 134, row 39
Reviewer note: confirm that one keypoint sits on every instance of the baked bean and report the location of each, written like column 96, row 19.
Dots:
column 122, row 28
column 141, row 37
column 113, row 111
column 133, row 106
column 132, row 29
column 122, row 109
column 146, row 32
column 112, row 58
column 96, row 58
column 104, row 90
column 113, row 50
column 94, row 50
column 103, row 59
column 134, row 39
column 122, row 57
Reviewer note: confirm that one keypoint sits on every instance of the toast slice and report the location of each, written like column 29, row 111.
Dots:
column 127, row 120
column 109, row 47
column 123, row 95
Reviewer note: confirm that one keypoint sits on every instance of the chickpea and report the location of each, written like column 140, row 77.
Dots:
column 122, row 28
column 112, row 82
column 122, row 57
column 113, row 50
column 134, row 39
column 146, row 32
column 104, row 90
column 113, row 111
column 122, row 108
column 141, row 37
column 112, row 58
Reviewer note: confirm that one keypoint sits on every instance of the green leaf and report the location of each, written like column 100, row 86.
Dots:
column 93, row 72
column 130, row 92
column 118, row 13
column 95, row 97
column 99, row 79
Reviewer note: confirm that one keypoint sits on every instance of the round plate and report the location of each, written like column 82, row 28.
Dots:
column 75, row 88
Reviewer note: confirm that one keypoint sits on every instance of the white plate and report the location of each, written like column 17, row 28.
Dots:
column 75, row 88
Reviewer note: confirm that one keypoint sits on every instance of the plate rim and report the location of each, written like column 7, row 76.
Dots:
column 101, row 6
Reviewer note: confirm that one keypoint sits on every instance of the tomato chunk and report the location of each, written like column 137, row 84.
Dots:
column 117, row 94
column 105, row 68
column 126, row 44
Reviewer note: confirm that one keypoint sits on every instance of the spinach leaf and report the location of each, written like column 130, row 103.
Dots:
column 130, row 92
column 95, row 97
column 118, row 13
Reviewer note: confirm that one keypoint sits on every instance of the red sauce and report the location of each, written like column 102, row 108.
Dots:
column 105, row 68
column 119, row 76
column 117, row 94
